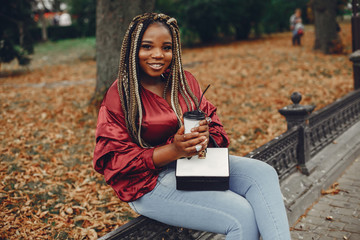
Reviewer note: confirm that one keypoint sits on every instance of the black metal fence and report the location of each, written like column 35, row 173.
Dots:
column 281, row 152
column 328, row 123
column 308, row 133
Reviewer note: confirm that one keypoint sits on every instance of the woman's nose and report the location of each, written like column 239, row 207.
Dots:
column 157, row 53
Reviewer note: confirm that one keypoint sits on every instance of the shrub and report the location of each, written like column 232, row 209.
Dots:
column 15, row 40
column 84, row 12
column 215, row 19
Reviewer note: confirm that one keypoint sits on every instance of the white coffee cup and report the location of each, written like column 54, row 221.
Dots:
column 192, row 119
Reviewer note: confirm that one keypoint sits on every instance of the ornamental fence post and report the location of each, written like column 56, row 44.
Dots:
column 297, row 115
column 355, row 58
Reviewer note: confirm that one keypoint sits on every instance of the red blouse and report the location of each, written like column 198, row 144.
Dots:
column 127, row 167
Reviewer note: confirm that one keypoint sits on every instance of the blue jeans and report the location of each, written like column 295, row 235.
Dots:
column 251, row 207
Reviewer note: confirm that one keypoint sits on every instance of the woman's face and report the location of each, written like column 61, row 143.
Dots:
column 155, row 53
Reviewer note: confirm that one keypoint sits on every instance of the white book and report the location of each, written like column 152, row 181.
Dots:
column 210, row 173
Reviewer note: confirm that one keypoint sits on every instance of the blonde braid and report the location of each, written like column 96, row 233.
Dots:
column 133, row 106
column 136, row 86
column 122, row 83
column 174, row 99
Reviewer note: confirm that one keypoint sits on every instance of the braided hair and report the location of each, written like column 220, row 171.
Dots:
column 128, row 75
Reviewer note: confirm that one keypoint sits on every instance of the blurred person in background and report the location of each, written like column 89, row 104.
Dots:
column 64, row 19
column 296, row 27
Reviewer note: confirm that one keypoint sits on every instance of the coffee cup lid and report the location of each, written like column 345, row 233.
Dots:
column 195, row 115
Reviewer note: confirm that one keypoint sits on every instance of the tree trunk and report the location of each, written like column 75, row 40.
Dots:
column 327, row 38
column 42, row 20
column 21, row 33
column 355, row 25
column 112, row 20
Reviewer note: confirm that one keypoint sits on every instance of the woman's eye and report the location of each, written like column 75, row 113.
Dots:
column 167, row 48
column 146, row 46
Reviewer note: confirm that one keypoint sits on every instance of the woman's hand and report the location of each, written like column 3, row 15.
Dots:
column 183, row 145
column 186, row 144
column 203, row 129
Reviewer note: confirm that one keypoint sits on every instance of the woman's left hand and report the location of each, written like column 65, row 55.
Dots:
column 202, row 129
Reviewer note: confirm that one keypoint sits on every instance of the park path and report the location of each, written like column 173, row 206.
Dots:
column 334, row 216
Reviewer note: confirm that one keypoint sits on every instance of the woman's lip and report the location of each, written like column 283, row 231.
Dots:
column 156, row 66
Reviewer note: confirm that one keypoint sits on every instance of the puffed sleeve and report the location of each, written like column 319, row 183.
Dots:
column 216, row 128
column 127, row 167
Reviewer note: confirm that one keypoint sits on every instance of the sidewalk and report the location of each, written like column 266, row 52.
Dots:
column 334, row 216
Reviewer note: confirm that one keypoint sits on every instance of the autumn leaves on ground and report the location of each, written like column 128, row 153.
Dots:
column 48, row 188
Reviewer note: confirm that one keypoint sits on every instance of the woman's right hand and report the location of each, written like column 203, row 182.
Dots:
column 185, row 144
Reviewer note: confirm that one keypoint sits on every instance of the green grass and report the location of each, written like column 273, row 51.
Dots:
column 65, row 45
column 63, row 51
